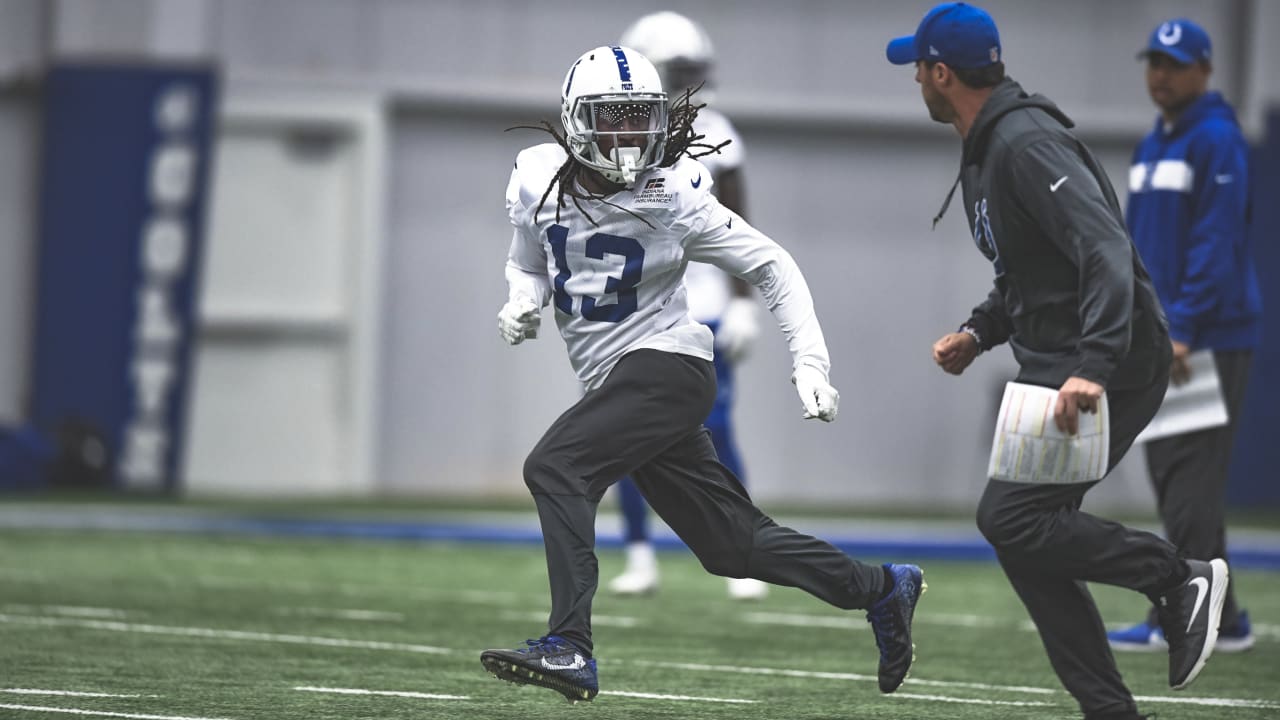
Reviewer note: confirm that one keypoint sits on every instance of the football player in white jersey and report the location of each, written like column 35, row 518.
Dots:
column 606, row 219
column 683, row 54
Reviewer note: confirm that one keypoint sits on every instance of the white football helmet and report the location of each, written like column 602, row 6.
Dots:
column 613, row 82
column 677, row 46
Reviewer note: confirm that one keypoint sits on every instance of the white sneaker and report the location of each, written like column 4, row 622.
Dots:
column 641, row 575
column 747, row 589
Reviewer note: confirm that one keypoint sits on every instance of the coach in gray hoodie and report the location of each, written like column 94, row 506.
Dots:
column 1075, row 303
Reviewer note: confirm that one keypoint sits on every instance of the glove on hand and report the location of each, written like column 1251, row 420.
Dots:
column 519, row 319
column 819, row 398
column 738, row 329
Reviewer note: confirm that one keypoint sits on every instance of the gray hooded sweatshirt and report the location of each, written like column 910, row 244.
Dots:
column 1071, row 295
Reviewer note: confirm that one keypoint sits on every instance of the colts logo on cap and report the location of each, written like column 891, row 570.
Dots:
column 1170, row 33
column 994, row 54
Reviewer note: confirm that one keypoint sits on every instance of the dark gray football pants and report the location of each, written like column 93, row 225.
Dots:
column 1049, row 549
column 1189, row 474
column 645, row 420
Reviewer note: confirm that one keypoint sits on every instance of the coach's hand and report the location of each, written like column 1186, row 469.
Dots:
column 1076, row 395
column 519, row 319
column 1179, row 370
column 954, row 351
column 820, row 400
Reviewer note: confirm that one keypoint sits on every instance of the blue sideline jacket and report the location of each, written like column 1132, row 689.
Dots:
column 1188, row 215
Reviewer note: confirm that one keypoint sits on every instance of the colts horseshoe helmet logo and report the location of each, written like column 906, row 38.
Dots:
column 1170, row 33
column 983, row 237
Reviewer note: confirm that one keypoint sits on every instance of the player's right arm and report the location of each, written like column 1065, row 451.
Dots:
column 526, row 270
column 528, row 286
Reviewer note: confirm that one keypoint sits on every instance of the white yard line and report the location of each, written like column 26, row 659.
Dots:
column 802, row 620
column 432, row 696
column 817, row 674
column 99, row 713
column 970, row 701
column 1241, row 703
column 1261, row 630
column 71, row 610
column 1212, row 702
column 485, row 597
column 68, row 693
column 858, row 623
column 975, row 621
column 223, row 634
column 383, row 693
column 683, row 698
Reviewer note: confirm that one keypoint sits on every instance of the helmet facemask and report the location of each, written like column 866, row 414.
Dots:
column 611, row 118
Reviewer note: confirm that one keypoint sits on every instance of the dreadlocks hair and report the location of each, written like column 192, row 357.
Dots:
column 682, row 141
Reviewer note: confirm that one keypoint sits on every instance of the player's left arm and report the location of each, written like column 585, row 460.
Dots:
column 738, row 329
column 727, row 241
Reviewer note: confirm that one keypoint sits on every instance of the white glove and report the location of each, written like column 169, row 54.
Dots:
column 738, row 329
column 819, row 398
column 519, row 319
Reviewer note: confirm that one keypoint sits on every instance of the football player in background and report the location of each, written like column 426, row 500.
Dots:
column 606, row 219
column 682, row 52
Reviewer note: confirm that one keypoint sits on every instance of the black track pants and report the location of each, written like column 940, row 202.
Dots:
column 645, row 420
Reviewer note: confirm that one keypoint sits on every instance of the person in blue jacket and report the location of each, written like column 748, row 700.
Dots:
column 1188, row 212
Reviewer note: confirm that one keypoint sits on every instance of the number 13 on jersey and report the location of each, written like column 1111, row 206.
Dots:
column 597, row 246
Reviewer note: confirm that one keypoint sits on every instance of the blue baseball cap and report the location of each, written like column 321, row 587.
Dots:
column 1181, row 40
column 958, row 34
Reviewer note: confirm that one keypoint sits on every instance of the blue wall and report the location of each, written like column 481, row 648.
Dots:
column 1255, row 472
column 125, row 161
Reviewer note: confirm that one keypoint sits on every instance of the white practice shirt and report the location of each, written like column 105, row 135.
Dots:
column 618, row 285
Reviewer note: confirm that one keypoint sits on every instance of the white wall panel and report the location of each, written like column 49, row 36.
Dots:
column 461, row 408
column 19, row 122
column 285, row 215
column 20, row 53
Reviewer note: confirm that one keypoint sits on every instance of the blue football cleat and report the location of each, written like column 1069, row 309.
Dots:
column 1238, row 637
column 1144, row 637
column 890, row 619
column 550, row 662
column 1148, row 637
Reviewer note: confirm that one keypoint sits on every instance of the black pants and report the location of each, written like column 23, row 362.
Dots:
column 1189, row 474
column 645, row 420
column 1049, row 549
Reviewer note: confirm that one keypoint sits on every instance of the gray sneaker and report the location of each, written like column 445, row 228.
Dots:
column 1189, row 615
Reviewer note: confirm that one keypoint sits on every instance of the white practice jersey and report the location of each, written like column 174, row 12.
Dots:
column 709, row 288
column 617, row 285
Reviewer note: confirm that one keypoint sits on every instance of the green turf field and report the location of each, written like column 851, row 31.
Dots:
column 189, row 626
